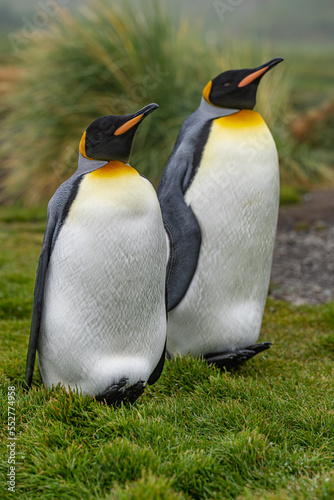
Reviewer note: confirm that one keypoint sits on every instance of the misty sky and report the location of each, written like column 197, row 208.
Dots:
column 297, row 21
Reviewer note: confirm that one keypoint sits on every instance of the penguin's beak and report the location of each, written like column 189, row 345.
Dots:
column 260, row 71
column 136, row 118
column 147, row 110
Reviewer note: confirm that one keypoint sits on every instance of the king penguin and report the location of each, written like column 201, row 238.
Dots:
column 99, row 313
column 219, row 196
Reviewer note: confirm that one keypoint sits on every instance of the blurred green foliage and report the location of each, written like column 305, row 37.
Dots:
column 289, row 195
column 114, row 58
column 110, row 61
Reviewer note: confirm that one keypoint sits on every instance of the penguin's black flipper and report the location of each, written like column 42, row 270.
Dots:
column 179, row 220
column 38, row 299
column 231, row 360
column 64, row 196
column 184, row 236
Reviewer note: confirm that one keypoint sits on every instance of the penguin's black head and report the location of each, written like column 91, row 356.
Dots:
column 237, row 88
column 110, row 137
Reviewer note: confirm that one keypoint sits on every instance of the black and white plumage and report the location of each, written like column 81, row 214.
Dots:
column 219, row 196
column 99, row 314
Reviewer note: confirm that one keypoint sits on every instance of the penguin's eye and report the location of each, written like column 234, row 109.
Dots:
column 227, row 84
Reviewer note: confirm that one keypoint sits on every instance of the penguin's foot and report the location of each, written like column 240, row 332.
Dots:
column 117, row 393
column 230, row 360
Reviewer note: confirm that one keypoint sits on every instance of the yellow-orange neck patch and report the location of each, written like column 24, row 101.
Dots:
column 243, row 118
column 113, row 169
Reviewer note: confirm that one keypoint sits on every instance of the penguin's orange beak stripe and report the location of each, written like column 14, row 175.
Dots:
column 127, row 125
column 253, row 76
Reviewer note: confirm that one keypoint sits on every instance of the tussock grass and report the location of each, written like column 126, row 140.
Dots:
column 114, row 58
column 264, row 432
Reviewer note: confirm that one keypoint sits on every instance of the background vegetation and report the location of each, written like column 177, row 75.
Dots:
column 115, row 60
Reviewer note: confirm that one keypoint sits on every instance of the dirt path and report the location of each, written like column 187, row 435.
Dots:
column 303, row 264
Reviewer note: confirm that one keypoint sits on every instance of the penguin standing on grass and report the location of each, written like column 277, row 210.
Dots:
column 99, row 314
column 219, row 196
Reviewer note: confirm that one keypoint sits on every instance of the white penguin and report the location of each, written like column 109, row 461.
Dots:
column 99, row 314
column 219, row 196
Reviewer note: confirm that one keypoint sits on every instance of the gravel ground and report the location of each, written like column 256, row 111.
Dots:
column 303, row 264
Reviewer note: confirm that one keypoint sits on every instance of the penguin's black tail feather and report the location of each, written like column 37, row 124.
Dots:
column 117, row 393
column 231, row 360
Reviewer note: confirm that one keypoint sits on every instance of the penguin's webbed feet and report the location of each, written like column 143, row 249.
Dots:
column 230, row 360
column 117, row 393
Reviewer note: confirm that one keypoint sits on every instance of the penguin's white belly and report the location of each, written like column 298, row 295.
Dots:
column 104, row 306
column 235, row 196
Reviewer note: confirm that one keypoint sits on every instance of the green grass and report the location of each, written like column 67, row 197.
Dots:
column 264, row 432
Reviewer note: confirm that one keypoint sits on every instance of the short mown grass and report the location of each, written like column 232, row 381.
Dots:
column 263, row 432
